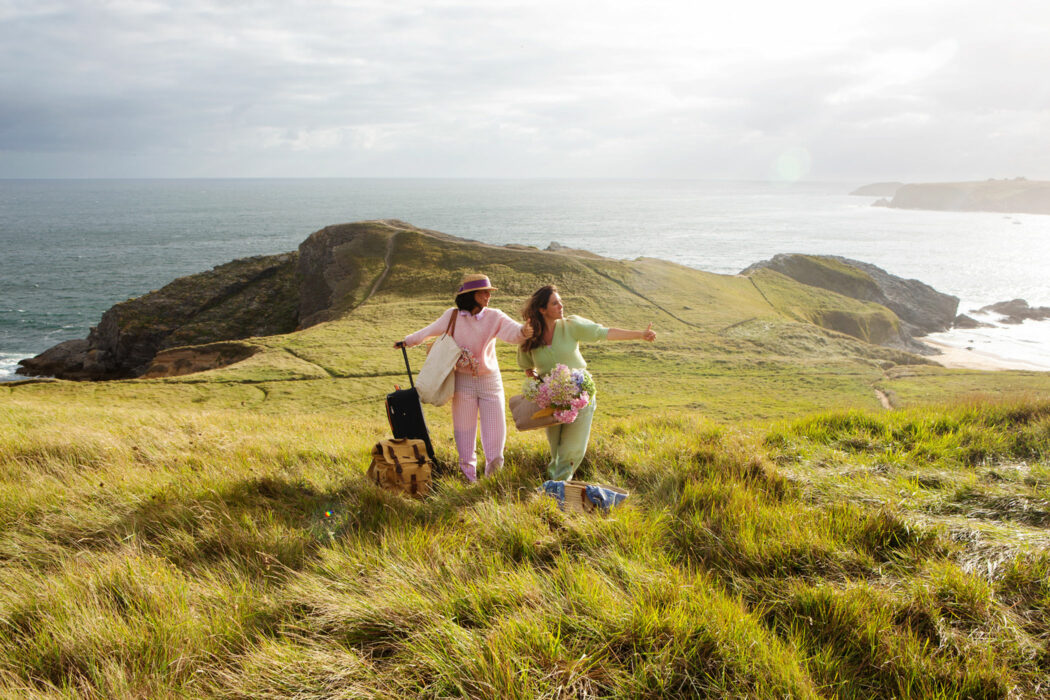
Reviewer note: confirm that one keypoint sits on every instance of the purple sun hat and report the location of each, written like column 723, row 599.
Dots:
column 474, row 283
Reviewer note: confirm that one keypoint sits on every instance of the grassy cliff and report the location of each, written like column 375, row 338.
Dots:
column 212, row 535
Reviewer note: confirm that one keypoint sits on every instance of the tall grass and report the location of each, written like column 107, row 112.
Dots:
column 186, row 553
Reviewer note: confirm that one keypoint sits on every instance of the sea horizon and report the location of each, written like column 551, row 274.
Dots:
column 76, row 246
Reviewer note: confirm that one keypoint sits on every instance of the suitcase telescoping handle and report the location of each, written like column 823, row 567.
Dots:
column 407, row 366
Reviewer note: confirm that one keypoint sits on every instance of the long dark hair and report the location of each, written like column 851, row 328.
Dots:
column 532, row 315
column 466, row 302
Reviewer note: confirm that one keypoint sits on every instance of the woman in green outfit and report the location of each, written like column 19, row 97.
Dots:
column 553, row 339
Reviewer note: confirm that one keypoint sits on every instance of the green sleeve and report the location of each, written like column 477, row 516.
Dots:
column 525, row 359
column 585, row 331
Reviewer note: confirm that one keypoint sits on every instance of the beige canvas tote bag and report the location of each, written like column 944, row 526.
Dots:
column 437, row 379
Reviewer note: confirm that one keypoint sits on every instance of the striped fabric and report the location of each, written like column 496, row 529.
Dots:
column 476, row 396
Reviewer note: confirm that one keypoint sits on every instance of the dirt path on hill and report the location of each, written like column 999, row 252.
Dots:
column 884, row 399
column 386, row 269
column 382, row 275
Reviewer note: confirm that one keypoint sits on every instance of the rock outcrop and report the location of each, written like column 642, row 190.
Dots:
column 334, row 270
column 964, row 321
column 1017, row 311
column 920, row 308
column 240, row 299
column 66, row 360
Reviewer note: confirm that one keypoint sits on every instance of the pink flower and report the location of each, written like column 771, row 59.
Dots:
column 566, row 416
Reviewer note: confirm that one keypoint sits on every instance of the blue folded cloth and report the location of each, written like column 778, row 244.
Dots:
column 602, row 497
column 556, row 489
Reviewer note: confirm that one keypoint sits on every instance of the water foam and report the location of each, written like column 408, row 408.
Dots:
column 8, row 364
column 1013, row 346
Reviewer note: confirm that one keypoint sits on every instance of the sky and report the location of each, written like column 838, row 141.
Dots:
column 834, row 90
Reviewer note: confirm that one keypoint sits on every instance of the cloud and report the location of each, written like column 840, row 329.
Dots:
column 666, row 88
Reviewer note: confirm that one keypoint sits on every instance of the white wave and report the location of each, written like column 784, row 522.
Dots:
column 8, row 364
column 1018, row 346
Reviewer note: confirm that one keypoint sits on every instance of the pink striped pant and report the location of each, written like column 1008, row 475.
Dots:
column 476, row 395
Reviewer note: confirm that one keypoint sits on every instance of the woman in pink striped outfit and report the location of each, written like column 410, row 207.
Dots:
column 479, row 385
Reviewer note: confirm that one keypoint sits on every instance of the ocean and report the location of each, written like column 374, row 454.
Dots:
column 73, row 248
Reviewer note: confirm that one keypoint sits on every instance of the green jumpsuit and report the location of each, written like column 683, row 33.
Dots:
column 568, row 441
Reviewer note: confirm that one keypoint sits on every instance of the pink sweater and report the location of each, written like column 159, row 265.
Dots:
column 475, row 333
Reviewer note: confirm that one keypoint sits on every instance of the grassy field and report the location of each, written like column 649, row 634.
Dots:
column 211, row 552
column 213, row 535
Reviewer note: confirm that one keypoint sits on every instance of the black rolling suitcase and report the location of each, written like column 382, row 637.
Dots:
column 405, row 413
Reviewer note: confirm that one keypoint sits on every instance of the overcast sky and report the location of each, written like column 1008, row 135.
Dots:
column 914, row 90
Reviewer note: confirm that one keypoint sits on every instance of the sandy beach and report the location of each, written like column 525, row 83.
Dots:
column 963, row 358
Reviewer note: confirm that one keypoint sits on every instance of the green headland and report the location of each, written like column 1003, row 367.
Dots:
column 815, row 511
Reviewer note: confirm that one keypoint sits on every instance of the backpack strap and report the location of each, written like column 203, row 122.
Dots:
column 392, row 453
column 419, row 456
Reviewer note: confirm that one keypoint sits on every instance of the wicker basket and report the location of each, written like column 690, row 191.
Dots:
column 576, row 500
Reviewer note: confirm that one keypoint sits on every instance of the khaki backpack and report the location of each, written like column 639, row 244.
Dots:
column 401, row 466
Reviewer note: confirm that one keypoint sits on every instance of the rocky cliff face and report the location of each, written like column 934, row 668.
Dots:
column 920, row 308
column 339, row 266
column 334, row 269
column 244, row 298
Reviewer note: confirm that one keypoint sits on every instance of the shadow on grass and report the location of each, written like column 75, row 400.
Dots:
column 268, row 525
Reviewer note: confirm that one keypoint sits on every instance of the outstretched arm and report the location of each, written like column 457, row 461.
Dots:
column 509, row 330
column 620, row 334
column 436, row 328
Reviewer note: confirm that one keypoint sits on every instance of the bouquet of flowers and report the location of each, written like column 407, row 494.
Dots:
column 563, row 393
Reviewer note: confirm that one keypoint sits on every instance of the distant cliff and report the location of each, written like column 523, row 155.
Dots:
column 1018, row 196
column 878, row 189
column 920, row 309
